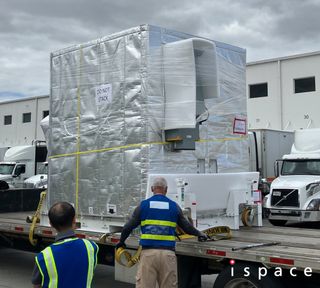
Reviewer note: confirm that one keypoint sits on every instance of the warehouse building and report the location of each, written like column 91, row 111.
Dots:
column 283, row 93
column 20, row 120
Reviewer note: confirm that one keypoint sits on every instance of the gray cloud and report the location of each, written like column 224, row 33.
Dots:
column 300, row 23
column 30, row 30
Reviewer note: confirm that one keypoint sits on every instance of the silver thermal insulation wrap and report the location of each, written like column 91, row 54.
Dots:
column 111, row 100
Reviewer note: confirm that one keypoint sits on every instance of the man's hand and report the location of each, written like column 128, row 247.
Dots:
column 203, row 237
column 121, row 245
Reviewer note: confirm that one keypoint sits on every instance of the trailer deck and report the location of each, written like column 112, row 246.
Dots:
column 15, row 216
column 298, row 247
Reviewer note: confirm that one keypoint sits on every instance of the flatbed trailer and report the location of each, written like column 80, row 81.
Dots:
column 253, row 257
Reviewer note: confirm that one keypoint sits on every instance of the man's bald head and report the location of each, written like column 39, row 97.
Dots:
column 61, row 216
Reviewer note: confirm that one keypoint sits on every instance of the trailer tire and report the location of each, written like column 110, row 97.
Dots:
column 278, row 222
column 238, row 280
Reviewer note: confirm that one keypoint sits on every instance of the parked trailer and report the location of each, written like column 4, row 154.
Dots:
column 245, row 260
column 266, row 146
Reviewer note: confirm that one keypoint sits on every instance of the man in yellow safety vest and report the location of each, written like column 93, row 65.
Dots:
column 70, row 261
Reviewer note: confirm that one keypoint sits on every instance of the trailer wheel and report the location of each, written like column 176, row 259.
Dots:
column 278, row 222
column 239, row 278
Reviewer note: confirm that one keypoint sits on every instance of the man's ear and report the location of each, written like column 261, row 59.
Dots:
column 74, row 222
column 152, row 189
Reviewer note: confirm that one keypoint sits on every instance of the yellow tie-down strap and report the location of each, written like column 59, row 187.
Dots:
column 35, row 219
column 78, row 153
column 138, row 145
column 213, row 233
column 125, row 258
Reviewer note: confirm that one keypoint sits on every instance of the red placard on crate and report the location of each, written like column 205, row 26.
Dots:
column 240, row 126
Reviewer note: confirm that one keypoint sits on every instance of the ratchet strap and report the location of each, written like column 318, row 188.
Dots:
column 213, row 233
column 218, row 233
column 247, row 216
column 129, row 260
column 35, row 219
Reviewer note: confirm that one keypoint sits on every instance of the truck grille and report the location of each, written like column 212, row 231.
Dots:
column 289, row 198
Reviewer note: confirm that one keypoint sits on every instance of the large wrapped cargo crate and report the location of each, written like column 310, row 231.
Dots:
column 143, row 101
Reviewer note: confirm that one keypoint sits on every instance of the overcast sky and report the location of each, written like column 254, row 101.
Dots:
column 31, row 29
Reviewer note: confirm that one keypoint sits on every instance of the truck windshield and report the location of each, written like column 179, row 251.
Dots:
column 301, row 167
column 6, row 169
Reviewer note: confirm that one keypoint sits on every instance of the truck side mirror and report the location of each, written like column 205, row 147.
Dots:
column 20, row 169
column 276, row 168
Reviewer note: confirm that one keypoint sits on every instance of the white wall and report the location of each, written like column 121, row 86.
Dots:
column 19, row 133
column 283, row 109
column 301, row 109
column 264, row 112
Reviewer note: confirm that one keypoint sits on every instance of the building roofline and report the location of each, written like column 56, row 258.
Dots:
column 284, row 58
column 23, row 99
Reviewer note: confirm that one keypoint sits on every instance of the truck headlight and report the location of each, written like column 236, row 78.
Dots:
column 314, row 205
column 41, row 185
column 312, row 189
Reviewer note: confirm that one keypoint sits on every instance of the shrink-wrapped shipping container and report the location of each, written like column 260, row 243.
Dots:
column 143, row 101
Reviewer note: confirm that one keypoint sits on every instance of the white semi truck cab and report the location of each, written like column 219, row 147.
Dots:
column 295, row 193
column 21, row 162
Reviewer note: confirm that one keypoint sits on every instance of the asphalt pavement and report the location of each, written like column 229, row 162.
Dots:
column 16, row 269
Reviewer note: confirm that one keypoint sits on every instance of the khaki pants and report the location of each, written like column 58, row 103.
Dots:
column 157, row 266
